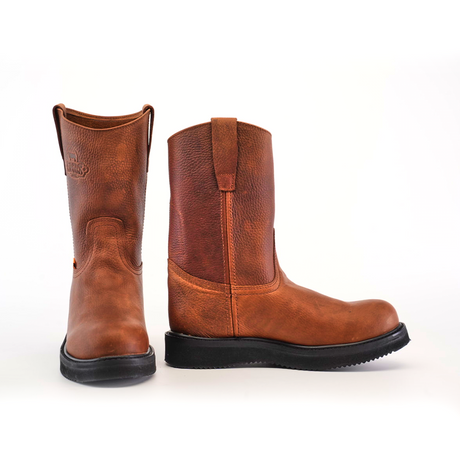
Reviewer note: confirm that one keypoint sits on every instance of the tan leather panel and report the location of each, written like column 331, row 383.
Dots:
column 106, row 166
column 280, row 310
column 295, row 314
column 106, row 316
column 198, row 307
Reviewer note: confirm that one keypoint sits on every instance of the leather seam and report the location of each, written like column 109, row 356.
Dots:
column 229, row 321
column 261, row 289
column 206, row 285
column 197, row 287
column 124, row 259
column 232, row 261
column 222, row 197
column 121, row 251
column 126, row 263
column 224, row 288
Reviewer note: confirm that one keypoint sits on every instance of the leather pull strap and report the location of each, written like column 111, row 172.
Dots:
column 149, row 140
column 56, row 110
column 225, row 151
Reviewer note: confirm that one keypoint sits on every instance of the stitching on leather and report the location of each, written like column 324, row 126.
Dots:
column 94, row 224
column 222, row 197
column 232, row 256
column 265, row 288
column 262, row 287
column 121, row 251
column 232, row 248
column 229, row 325
column 197, row 287
column 212, row 286
column 124, row 259
column 197, row 282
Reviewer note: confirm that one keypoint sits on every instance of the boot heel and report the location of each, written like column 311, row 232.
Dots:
column 187, row 351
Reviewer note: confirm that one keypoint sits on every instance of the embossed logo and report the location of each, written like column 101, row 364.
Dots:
column 74, row 168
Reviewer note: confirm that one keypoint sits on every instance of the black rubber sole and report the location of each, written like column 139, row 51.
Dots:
column 109, row 368
column 191, row 352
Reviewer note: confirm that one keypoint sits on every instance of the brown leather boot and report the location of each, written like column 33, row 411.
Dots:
column 230, row 303
column 106, row 162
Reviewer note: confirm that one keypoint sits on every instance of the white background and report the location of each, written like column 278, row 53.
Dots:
column 363, row 101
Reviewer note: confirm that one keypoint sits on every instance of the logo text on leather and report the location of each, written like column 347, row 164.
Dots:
column 74, row 168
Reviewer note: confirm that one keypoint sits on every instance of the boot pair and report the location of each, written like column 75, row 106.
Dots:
column 230, row 304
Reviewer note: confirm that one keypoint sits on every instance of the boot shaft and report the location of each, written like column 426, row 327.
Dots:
column 222, row 202
column 106, row 161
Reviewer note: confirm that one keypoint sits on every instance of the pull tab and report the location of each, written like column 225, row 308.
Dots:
column 225, row 151
column 56, row 109
column 149, row 139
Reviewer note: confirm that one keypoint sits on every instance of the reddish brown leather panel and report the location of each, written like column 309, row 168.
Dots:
column 201, row 216
column 225, row 151
column 195, row 229
column 253, row 207
column 106, row 166
column 198, row 307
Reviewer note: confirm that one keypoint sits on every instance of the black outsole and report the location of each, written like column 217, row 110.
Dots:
column 108, row 368
column 189, row 352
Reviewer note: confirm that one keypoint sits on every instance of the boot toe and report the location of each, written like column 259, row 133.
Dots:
column 377, row 318
column 99, row 341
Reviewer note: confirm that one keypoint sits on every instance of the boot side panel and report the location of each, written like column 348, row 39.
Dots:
column 198, row 307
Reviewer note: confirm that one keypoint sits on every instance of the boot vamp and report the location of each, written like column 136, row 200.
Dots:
column 106, row 316
column 295, row 314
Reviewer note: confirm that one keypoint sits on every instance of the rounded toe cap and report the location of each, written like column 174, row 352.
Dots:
column 377, row 317
column 113, row 340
